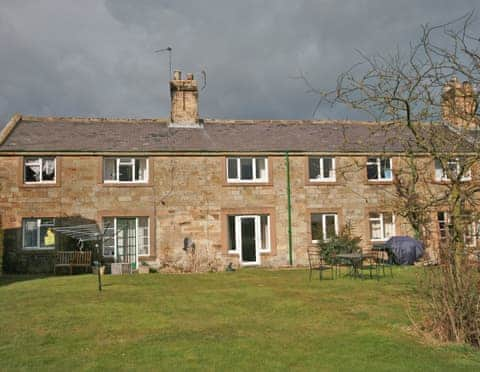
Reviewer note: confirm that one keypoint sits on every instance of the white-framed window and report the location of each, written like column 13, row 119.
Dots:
column 247, row 170
column 453, row 168
column 321, row 169
column 38, row 233
column 443, row 224
column 136, row 239
column 382, row 225
column 125, row 170
column 324, row 226
column 39, row 170
column 472, row 228
column 379, row 169
column 237, row 235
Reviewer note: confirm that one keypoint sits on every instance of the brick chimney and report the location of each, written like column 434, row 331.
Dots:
column 459, row 104
column 184, row 99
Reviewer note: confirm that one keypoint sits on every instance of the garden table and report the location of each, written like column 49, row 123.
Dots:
column 355, row 260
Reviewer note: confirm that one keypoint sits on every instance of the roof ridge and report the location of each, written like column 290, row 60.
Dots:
column 86, row 119
column 290, row 121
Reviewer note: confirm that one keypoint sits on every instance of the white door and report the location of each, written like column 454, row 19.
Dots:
column 247, row 229
column 126, row 242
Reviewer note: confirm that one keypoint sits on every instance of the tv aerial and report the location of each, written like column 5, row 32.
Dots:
column 169, row 50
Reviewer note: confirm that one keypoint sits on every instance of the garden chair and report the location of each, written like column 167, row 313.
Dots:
column 380, row 250
column 369, row 262
column 316, row 261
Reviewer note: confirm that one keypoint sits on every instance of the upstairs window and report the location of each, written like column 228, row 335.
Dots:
column 39, row 170
column 453, row 168
column 379, row 169
column 125, row 170
column 321, row 169
column 324, row 226
column 38, row 233
column 247, row 170
column 382, row 226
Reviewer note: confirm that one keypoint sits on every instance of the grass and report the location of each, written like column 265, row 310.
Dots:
column 248, row 320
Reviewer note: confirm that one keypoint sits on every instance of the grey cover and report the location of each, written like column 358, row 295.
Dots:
column 405, row 249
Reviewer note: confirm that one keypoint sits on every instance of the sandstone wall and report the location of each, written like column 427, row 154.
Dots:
column 187, row 196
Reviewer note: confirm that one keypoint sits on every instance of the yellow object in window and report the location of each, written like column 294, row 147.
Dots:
column 50, row 238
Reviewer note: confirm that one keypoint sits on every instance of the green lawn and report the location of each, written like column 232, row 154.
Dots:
column 248, row 320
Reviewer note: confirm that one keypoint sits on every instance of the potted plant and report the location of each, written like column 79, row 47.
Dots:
column 143, row 268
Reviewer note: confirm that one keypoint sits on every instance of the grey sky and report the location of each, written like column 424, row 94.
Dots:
column 95, row 58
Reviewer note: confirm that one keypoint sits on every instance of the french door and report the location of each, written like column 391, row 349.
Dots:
column 127, row 241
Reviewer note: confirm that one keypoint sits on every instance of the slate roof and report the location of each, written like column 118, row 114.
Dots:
column 34, row 134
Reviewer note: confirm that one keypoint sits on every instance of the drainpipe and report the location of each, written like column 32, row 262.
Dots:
column 289, row 208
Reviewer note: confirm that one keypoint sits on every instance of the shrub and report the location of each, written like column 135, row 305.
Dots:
column 451, row 311
column 344, row 242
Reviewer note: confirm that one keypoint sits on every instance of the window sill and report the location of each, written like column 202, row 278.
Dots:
column 126, row 184
column 322, row 183
column 39, row 184
column 379, row 182
column 248, row 184
column 448, row 182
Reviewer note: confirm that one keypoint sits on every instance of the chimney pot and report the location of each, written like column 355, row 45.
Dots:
column 189, row 76
column 177, row 75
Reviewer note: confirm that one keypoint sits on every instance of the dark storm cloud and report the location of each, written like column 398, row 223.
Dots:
column 94, row 58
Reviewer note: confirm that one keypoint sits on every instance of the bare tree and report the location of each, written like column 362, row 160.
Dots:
column 417, row 93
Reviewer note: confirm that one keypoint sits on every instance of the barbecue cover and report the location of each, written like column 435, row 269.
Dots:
column 405, row 249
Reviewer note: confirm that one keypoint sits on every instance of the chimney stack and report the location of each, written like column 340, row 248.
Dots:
column 459, row 104
column 184, row 101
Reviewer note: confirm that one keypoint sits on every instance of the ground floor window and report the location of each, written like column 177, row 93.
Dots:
column 126, row 238
column 248, row 236
column 382, row 225
column 324, row 226
column 443, row 224
column 38, row 233
column 472, row 227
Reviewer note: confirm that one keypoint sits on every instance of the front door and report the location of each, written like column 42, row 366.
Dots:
column 127, row 241
column 248, row 239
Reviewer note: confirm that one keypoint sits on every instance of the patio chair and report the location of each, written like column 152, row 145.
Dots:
column 380, row 250
column 369, row 263
column 316, row 261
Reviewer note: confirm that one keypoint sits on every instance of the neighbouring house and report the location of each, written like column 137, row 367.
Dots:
column 195, row 193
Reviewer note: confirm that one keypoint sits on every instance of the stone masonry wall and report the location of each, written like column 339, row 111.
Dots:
column 187, row 196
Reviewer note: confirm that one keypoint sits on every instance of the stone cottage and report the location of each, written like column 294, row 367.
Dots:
column 194, row 193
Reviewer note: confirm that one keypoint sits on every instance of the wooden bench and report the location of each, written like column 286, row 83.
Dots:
column 73, row 259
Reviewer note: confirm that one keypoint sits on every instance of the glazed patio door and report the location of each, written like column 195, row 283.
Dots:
column 127, row 241
column 248, row 239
